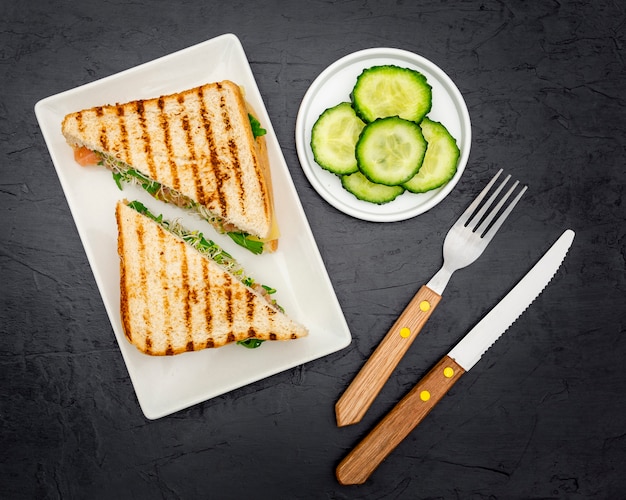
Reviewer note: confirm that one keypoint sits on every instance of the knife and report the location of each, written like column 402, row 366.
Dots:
column 361, row 462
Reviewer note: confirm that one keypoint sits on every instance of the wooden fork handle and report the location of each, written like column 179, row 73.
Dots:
column 363, row 460
column 360, row 394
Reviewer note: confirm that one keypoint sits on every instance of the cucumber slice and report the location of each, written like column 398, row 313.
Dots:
column 390, row 150
column 333, row 139
column 365, row 190
column 440, row 162
column 390, row 90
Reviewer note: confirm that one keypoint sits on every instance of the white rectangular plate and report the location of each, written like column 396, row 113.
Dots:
column 167, row 384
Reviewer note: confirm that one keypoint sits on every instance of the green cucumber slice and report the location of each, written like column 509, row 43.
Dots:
column 390, row 150
column 389, row 90
column 365, row 190
column 441, row 159
column 333, row 139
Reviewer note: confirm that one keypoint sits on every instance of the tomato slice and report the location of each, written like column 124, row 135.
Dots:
column 85, row 156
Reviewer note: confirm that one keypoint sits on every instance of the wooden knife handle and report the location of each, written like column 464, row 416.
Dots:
column 359, row 464
column 360, row 394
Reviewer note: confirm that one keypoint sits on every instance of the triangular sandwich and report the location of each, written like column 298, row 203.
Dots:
column 201, row 149
column 181, row 292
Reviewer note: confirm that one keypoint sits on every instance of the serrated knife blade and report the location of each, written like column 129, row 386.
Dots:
column 489, row 329
column 361, row 462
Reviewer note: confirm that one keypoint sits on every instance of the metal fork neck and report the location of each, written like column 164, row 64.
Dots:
column 439, row 281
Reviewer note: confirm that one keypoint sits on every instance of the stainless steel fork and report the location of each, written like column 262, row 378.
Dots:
column 465, row 242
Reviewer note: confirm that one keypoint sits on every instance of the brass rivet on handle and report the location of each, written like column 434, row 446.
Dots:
column 424, row 305
column 424, row 395
column 448, row 372
column 405, row 332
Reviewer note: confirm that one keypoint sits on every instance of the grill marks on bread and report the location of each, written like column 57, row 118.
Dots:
column 173, row 299
column 144, row 152
column 166, row 121
column 103, row 130
column 213, row 166
column 189, row 135
column 232, row 149
column 208, row 315
column 197, row 142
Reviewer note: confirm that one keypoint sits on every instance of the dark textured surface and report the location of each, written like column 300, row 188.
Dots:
column 543, row 415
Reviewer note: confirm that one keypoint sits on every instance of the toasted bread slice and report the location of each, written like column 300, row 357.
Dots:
column 174, row 299
column 196, row 148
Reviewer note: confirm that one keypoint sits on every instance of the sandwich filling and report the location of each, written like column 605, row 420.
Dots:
column 127, row 174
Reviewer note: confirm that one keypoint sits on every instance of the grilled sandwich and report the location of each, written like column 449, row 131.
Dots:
column 180, row 292
column 201, row 149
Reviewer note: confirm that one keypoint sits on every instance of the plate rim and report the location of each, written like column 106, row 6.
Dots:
column 310, row 170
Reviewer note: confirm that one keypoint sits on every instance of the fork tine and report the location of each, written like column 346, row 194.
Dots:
column 474, row 205
column 485, row 224
column 481, row 213
column 496, row 225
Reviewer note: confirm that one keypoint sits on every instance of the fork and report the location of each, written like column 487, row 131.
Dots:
column 465, row 242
